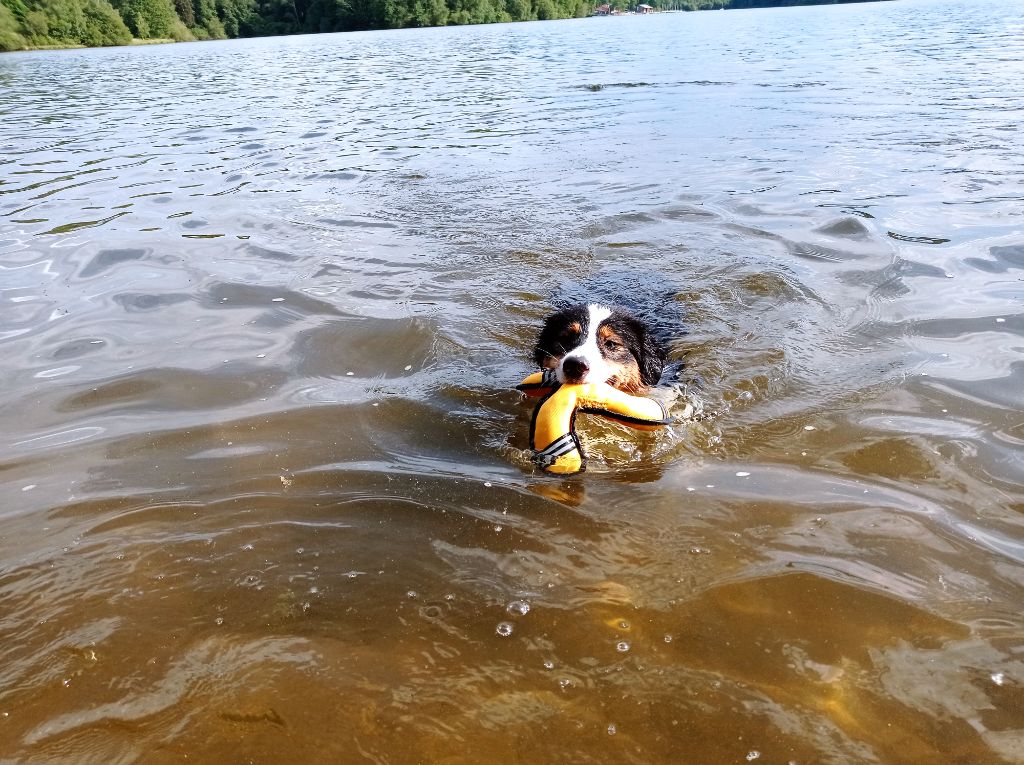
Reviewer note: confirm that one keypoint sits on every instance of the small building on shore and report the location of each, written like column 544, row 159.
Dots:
column 603, row 10
column 644, row 8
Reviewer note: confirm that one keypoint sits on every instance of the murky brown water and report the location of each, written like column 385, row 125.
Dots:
column 263, row 305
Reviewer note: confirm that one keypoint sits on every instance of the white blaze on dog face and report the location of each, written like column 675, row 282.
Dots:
column 588, row 351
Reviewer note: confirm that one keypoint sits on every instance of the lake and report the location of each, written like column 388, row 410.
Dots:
column 263, row 305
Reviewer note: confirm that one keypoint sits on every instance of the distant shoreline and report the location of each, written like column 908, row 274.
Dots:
column 23, row 32
column 79, row 46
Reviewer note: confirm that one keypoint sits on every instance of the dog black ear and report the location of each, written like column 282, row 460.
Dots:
column 652, row 362
column 547, row 341
column 650, row 354
column 540, row 351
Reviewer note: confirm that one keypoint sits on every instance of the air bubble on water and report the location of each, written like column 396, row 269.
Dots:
column 809, row 427
column 668, row 638
column 1000, row 320
column 408, row 367
column 488, row 484
column 277, row 300
column 504, row 628
column 520, row 607
column 622, row 646
column 498, row 528
column 306, row 607
column 412, row 594
column 300, row 550
column 742, row 473
column 350, row 374
column 751, row 756
column 247, row 547
column 611, row 729
column 690, row 488
column 29, row 487
column 623, row 624
column 564, row 683
column 261, row 355
column 219, row 620
column 549, row 664
column 66, row 682
column 998, row 678
column 314, row 590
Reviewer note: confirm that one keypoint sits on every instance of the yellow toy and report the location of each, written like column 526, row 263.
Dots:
column 553, row 439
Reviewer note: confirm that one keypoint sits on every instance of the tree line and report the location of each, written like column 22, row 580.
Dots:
column 59, row 23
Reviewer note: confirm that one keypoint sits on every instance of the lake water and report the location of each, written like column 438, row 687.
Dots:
column 262, row 307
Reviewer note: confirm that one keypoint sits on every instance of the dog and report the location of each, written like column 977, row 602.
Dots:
column 591, row 343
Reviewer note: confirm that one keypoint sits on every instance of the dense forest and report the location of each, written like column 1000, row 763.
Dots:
column 60, row 23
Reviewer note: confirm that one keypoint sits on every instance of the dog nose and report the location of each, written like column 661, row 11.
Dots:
column 575, row 368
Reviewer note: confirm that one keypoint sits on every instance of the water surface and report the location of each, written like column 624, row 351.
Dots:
column 262, row 305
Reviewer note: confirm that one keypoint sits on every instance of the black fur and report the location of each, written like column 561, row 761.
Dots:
column 648, row 352
column 552, row 342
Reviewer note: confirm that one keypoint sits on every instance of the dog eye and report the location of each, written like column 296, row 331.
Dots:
column 611, row 345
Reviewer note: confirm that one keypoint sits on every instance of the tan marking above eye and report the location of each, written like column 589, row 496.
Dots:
column 572, row 331
column 609, row 336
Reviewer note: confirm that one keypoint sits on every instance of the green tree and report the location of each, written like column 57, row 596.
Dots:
column 37, row 27
column 545, row 9
column 103, row 25
column 363, row 14
column 519, row 10
column 11, row 37
column 186, row 12
column 148, row 18
column 207, row 24
column 237, row 16
column 429, row 13
column 63, row 21
column 321, row 16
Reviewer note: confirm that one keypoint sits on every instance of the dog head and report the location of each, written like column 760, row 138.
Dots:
column 592, row 343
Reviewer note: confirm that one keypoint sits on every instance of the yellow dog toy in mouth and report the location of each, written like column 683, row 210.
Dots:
column 556, row 448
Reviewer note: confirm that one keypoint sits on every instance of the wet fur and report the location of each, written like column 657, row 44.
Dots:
column 621, row 349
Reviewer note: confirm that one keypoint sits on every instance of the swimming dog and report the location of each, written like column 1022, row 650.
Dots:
column 590, row 343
